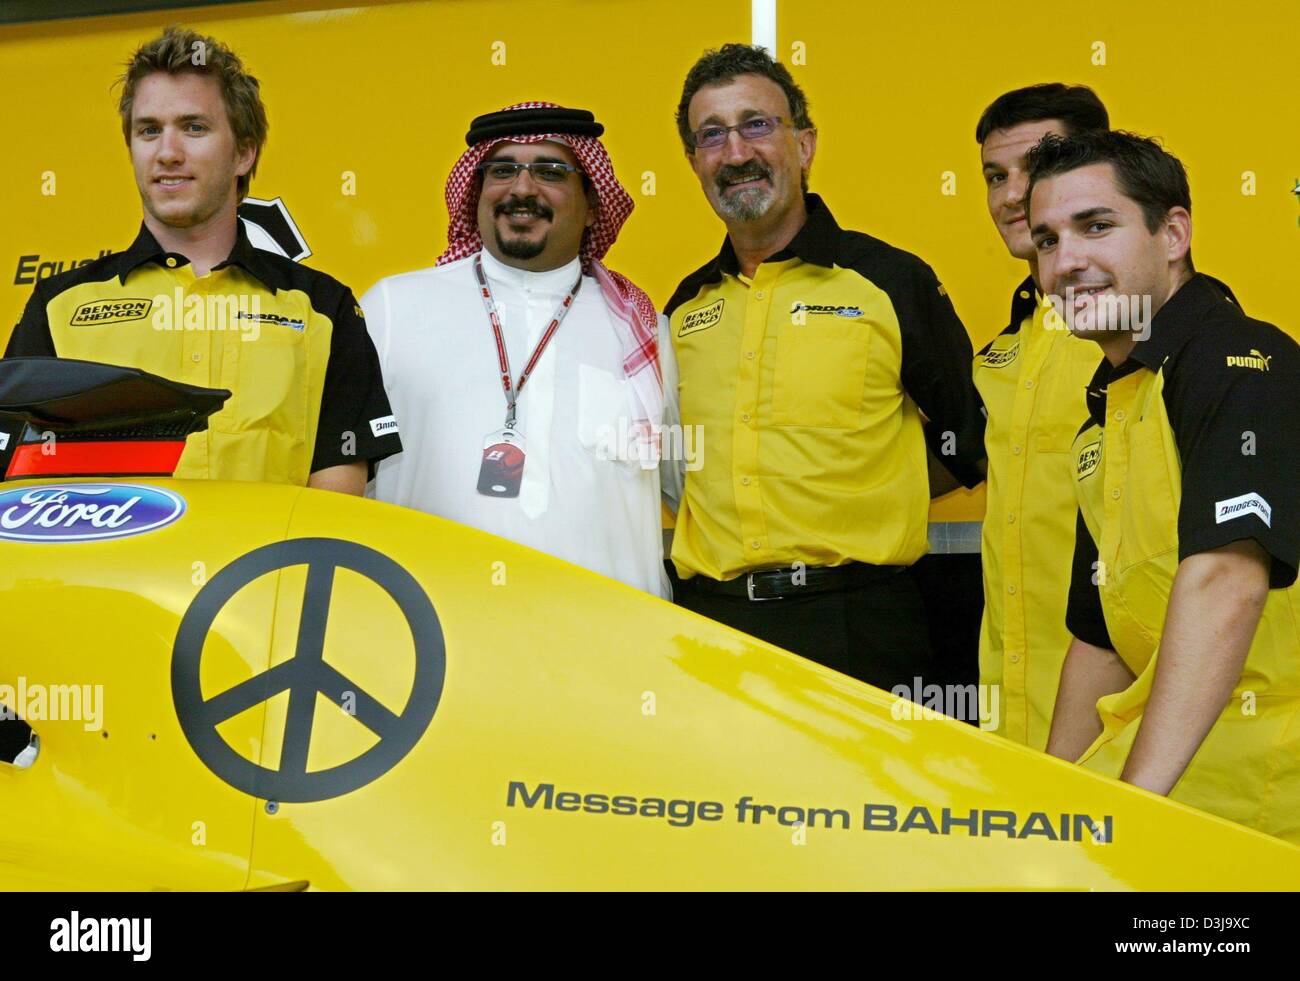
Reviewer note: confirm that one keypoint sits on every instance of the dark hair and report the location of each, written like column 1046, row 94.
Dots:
column 1077, row 106
column 1144, row 171
column 180, row 50
column 724, row 64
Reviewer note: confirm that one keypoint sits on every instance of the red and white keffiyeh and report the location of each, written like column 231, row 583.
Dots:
column 633, row 313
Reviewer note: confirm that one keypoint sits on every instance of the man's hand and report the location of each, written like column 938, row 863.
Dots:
column 1089, row 673
column 1214, row 608
column 348, row 478
column 941, row 479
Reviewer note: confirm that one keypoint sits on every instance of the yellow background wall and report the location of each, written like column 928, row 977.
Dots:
column 896, row 89
column 386, row 91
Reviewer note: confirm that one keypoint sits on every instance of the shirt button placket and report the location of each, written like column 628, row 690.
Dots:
column 745, row 461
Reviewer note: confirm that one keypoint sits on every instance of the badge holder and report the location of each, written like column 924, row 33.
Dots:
column 502, row 469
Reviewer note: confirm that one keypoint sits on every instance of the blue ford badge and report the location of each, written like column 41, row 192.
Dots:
column 85, row 512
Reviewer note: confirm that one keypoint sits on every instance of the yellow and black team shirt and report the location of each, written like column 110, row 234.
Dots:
column 1192, row 444
column 1031, row 378
column 289, row 343
column 809, row 381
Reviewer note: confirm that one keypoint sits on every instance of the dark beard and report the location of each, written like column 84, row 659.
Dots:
column 520, row 248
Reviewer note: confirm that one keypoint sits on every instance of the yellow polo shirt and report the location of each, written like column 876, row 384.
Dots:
column 1191, row 444
column 809, row 381
column 287, row 341
column 1032, row 378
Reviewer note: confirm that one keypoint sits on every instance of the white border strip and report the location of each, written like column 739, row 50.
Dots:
column 955, row 537
column 763, row 24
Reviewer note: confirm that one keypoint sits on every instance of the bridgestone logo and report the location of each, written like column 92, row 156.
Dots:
column 109, row 312
column 1246, row 504
column 387, row 424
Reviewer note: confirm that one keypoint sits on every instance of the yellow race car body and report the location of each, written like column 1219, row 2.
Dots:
column 302, row 689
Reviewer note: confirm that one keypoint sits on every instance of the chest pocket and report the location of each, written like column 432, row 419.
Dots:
column 821, row 369
column 1146, row 557
column 269, row 372
column 1149, row 516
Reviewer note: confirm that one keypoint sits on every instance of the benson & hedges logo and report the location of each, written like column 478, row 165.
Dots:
column 701, row 319
column 110, row 312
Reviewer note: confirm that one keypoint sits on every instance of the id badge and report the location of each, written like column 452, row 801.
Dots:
column 502, row 470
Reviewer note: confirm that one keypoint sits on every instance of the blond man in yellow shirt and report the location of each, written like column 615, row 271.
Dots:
column 1031, row 378
column 307, row 404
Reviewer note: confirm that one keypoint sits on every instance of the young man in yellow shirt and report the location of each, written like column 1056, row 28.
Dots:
column 1184, row 674
column 194, row 301
column 1031, row 378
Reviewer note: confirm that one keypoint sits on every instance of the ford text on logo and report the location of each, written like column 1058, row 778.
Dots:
column 85, row 512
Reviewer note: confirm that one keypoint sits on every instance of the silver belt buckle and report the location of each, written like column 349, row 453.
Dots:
column 749, row 589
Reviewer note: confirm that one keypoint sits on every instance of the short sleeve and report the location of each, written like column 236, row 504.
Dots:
column 936, row 373
column 356, row 421
column 31, row 337
column 1231, row 402
column 1083, row 613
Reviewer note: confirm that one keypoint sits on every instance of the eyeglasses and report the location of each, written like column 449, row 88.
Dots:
column 751, row 129
column 545, row 171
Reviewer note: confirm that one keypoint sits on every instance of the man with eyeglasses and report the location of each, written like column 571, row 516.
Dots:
column 531, row 381
column 820, row 363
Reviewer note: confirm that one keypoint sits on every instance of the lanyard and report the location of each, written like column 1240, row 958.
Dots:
column 511, row 389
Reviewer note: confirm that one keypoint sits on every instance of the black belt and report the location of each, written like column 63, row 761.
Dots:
column 773, row 584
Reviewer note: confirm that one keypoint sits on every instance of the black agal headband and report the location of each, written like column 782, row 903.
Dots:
column 528, row 122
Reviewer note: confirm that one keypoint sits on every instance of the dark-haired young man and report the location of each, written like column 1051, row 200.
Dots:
column 809, row 355
column 192, row 300
column 1031, row 378
column 1184, row 673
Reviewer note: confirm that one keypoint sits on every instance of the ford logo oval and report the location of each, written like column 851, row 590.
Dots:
column 85, row 512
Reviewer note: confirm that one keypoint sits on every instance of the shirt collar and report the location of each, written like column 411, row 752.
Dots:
column 1024, row 301
column 1173, row 323
column 1171, row 328
column 1095, row 394
column 252, row 260
column 555, row 281
column 814, row 242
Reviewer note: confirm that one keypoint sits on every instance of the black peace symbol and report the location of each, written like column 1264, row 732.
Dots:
column 307, row 673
